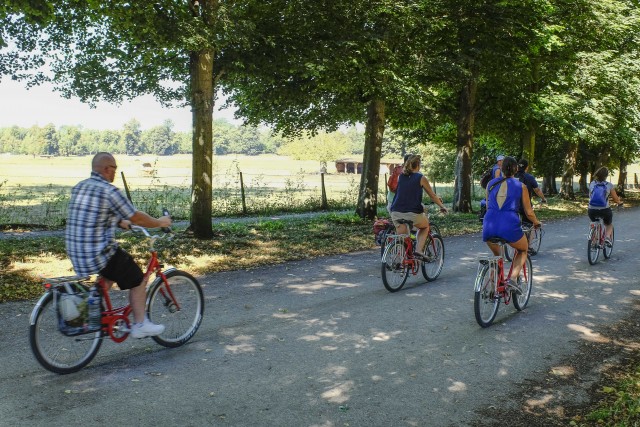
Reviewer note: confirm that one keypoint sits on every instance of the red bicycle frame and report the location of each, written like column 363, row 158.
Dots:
column 115, row 321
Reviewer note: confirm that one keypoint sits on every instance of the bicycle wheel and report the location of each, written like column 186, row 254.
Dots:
column 394, row 272
column 485, row 300
column 593, row 245
column 606, row 251
column 535, row 241
column 178, row 307
column 434, row 258
column 525, row 280
column 55, row 351
column 509, row 252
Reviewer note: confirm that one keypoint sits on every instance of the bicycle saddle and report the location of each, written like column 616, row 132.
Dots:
column 497, row 240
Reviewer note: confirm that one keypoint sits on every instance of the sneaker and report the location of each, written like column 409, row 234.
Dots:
column 607, row 242
column 513, row 287
column 419, row 256
column 146, row 329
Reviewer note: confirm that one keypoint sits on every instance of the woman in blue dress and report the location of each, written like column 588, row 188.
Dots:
column 505, row 197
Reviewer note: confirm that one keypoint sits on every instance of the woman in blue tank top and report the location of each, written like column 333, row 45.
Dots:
column 407, row 203
column 505, row 197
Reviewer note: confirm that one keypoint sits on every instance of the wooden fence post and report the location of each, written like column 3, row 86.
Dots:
column 244, row 202
column 324, row 204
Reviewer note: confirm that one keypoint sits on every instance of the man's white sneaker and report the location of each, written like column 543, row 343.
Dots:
column 146, row 329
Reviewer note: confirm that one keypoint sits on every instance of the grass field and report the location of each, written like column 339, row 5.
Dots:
column 35, row 190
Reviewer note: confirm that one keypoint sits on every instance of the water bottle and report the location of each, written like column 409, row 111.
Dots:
column 95, row 309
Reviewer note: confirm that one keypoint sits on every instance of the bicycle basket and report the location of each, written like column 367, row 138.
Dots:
column 72, row 309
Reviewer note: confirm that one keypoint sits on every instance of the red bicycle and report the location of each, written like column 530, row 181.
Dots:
column 596, row 241
column 61, row 335
column 491, row 286
column 398, row 258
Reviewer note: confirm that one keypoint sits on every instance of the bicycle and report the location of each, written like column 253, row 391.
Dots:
column 596, row 241
column 398, row 258
column 534, row 237
column 491, row 286
column 63, row 346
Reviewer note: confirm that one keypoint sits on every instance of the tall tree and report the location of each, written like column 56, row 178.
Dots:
column 118, row 50
column 318, row 65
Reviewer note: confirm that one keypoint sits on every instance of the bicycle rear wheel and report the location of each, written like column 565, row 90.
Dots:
column 179, row 307
column 593, row 245
column 55, row 351
column 525, row 281
column 535, row 240
column 606, row 251
column 485, row 299
column 394, row 271
column 434, row 258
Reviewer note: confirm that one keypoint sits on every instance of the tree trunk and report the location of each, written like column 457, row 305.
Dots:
column 584, row 185
column 549, row 185
column 622, row 177
column 529, row 138
column 566, row 187
column 368, row 195
column 464, row 148
column 202, row 96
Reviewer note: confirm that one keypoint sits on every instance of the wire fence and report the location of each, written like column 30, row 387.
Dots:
column 232, row 194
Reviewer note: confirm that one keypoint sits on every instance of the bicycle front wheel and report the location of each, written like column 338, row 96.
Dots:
column 606, row 251
column 394, row 271
column 525, row 281
column 535, row 240
column 486, row 300
column 178, row 305
column 593, row 245
column 434, row 258
column 55, row 351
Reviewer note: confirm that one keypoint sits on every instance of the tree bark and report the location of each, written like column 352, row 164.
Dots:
column 549, row 185
column 368, row 195
column 566, row 187
column 202, row 98
column 584, row 185
column 464, row 148
column 622, row 177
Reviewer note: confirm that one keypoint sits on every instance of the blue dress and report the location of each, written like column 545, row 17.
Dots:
column 503, row 222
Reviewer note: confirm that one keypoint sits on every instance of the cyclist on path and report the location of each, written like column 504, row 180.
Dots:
column 505, row 197
column 532, row 186
column 599, row 191
column 407, row 203
column 95, row 209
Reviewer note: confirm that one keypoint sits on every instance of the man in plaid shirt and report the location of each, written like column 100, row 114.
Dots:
column 95, row 209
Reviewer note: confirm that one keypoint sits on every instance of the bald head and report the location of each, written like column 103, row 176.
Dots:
column 105, row 165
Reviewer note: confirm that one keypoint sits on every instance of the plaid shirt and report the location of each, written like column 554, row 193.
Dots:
column 95, row 209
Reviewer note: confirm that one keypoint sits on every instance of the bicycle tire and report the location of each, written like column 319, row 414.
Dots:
column 606, row 250
column 55, row 351
column 525, row 281
column 434, row 253
column 181, row 323
column 593, row 245
column 535, row 241
column 485, row 300
column 394, row 272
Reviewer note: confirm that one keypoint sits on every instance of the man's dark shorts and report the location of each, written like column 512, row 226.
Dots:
column 606, row 215
column 123, row 270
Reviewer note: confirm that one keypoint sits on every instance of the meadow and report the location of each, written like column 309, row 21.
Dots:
column 35, row 190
